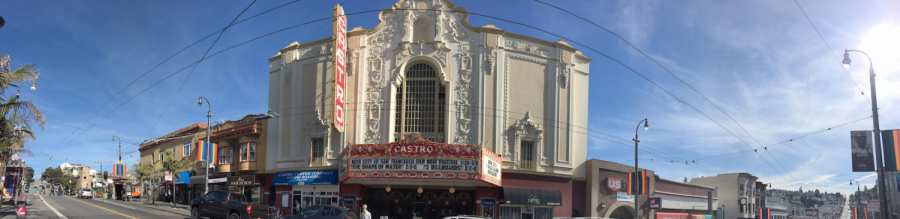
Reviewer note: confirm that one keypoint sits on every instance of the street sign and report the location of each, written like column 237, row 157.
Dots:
column 613, row 183
column 655, row 203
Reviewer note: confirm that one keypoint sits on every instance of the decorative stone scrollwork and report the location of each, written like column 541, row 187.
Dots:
column 463, row 89
column 564, row 75
column 527, row 48
column 318, row 128
column 525, row 129
column 441, row 54
column 353, row 56
column 491, row 56
column 455, row 31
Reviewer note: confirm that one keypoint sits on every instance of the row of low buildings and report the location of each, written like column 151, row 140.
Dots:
column 439, row 118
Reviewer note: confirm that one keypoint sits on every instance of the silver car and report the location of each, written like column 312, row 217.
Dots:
column 85, row 193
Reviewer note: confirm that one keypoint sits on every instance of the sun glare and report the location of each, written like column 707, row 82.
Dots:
column 883, row 43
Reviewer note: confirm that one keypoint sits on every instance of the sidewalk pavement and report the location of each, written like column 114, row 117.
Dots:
column 179, row 209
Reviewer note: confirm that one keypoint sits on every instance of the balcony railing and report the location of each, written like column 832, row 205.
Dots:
column 527, row 165
column 317, row 161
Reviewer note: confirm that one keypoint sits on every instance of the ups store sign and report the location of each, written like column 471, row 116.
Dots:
column 245, row 180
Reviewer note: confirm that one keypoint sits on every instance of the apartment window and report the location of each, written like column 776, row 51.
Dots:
column 318, row 151
column 187, row 149
column 252, row 155
column 248, row 151
column 225, row 156
column 527, row 158
column 162, row 156
column 420, row 104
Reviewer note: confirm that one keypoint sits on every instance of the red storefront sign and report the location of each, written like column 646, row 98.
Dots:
column 665, row 215
column 416, row 158
column 613, row 183
column 340, row 50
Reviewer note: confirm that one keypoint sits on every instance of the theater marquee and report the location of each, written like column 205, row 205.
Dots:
column 418, row 158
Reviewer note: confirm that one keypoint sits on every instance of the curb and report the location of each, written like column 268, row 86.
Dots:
column 161, row 209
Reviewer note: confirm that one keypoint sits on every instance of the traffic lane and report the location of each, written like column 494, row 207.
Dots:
column 72, row 207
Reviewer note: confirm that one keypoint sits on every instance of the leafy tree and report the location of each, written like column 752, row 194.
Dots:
column 145, row 170
column 16, row 115
column 171, row 165
column 29, row 173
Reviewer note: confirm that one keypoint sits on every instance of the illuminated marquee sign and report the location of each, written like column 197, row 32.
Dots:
column 417, row 158
column 340, row 50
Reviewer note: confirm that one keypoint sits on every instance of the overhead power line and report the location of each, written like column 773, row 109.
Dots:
column 195, row 67
column 832, row 52
column 164, row 61
column 673, row 75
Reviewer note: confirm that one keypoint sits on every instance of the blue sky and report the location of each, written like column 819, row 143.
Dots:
column 761, row 62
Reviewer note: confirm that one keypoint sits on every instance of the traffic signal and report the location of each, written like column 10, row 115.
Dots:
column 105, row 175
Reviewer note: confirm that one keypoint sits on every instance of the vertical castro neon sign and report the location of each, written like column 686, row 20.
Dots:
column 340, row 50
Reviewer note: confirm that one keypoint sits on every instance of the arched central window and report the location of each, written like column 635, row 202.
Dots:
column 420, row 105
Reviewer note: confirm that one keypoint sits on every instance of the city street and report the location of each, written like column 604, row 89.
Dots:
column 48, row 206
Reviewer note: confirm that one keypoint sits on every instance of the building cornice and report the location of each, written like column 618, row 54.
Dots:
column 490, row 28
column 580, row 56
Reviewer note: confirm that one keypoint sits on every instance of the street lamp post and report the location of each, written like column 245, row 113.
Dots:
column 101, row 172
column 858, row 202
column 208, row 117
column 636, row 141
column 882, row 196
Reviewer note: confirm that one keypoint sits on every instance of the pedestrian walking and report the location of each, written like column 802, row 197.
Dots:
column 366, row 214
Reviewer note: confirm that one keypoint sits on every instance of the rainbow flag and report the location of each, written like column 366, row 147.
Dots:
column 205, row 152
column 637, row 183
column 119, row 169
column 891, row 145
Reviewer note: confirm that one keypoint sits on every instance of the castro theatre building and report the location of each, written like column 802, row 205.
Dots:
column 432, row 106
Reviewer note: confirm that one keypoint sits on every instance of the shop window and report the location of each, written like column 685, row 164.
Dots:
column 510, row 212
column 252, row 149
column 256, row 195
column 420, row 104
column 317, row 157
column 543, row 213
column 527, row 159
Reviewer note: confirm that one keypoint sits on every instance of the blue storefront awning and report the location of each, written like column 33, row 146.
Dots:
column 183, row 178
column 323, row 177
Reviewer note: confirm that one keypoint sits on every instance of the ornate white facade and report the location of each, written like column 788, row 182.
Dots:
column 500, row 89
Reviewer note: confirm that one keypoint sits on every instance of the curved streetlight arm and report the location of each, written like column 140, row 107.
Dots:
column 864, row 53
column 638, row 128
column 209, row 111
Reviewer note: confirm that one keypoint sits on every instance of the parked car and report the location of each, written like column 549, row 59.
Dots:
column 224, row 204
column 323, row 212
column 86, row 193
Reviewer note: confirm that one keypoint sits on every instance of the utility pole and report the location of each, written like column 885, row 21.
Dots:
column 70, row 177
column 208, row 161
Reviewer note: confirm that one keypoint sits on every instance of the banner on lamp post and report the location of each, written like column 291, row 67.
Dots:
column 861, row 150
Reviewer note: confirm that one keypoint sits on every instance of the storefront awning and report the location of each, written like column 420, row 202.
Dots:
column 523, row 196
column 183, row 178
column 322, row 177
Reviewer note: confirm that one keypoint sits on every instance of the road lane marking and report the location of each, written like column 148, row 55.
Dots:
column 51, row 208
column 124, row 215
column 115, row 204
